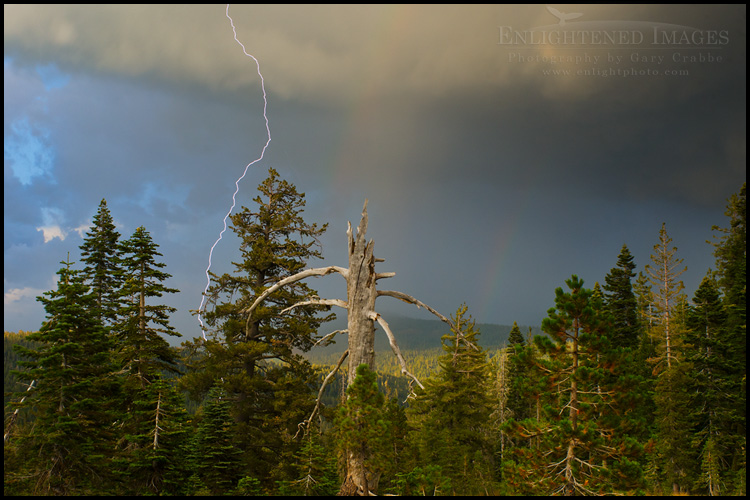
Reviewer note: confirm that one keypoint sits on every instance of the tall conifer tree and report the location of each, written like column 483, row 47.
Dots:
column 731, row 262
column 452, row 414
column 708, row 350
column 71, row 438
column 100, row 253
column 275, row 242
column 621, row 301
column 143, row 351
column 663, row 272
column 216, row 458
column 672, row 462
column 581, row 448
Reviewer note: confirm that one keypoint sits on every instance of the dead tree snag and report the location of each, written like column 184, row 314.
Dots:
column 361, row 292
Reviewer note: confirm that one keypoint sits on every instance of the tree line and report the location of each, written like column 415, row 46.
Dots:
column 634, row 388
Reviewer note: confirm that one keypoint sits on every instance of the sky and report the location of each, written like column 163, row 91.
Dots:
column 501, row 148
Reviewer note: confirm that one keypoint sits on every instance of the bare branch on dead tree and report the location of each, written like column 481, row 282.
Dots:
column 306, row 423
column 394, row 346
column 330, row 335
column 13, row 417
column 319, row 271
column 411, row 300
column 318, row 302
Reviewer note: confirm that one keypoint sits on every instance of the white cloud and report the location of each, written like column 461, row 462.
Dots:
column 19, row 294
column 52, row 232
column 82, row 229
column 51, row 228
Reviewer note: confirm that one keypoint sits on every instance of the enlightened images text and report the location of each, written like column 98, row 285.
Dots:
column 660, row 37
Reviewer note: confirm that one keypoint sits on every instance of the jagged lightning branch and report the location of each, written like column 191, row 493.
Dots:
column 237, row 183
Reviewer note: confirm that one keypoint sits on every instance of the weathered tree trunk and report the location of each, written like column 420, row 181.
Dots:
column 361, row 295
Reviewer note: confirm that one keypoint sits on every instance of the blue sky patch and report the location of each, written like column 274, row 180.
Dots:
column 28, row 151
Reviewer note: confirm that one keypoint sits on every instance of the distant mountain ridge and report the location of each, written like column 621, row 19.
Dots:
column 414, row 334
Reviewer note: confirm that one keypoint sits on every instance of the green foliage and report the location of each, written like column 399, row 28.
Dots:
column 248, row 487
column 573, row 408
column 581, row 443
column 731, row 262
column 520, row 402
column 71, row 399
column 621, row 301
column 100, row 253
column 256, row 360
column 143, row 351
column 452, row 414
column 216, row 461
column 713, row 388
column 154, row 458
column 425, row 481
column 361, row 423
column 315, row 470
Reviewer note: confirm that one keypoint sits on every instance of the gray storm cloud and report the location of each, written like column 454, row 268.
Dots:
column 333, row 52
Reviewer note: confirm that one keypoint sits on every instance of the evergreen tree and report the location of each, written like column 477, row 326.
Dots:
column 316, row 470
column 399, row 455
column 672, row 462
column 361, row 426
column 731, row 262
column 706, row 336
column 581, row 446
column 621, row 301
column 275, row 242
column 68, row 448
column 519, row 400
column 143, row 351
column 663, row 273
column 452, row 414
column 216, row 460
column 626, row 305
column 155, row 458
column 515, row 338
column 100, row 252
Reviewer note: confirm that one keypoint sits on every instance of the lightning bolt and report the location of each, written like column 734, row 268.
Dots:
column 237, row 183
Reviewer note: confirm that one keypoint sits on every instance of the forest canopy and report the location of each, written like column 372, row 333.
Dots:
column 630, row 385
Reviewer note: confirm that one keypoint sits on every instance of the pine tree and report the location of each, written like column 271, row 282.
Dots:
column 155, row 459
column 269, row 253
column 580, row 447
column 452, row 414
column 731, row 261
column 663, row 274
column 627, row 307
column 216, row 460
column 100, row 252
column 519, row 400
column 315, row 471
column 361, row 426
column 621, row 301
column 71, row 438
column 706, row 336
column 672, row 462
column 515, row 338
column 275, row 242
column 143, row 351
